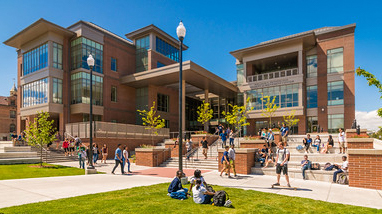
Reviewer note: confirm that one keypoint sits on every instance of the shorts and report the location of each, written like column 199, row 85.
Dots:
column 284, row 139
column 205, row 150
column 283, row 168
column 66, row 149
column 71, row 149
column 342, row 144
column 226, row 165
column 104, row 154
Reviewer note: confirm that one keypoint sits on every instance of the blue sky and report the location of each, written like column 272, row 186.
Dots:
column 214, row 28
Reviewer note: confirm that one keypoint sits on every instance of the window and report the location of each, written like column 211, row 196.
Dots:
column 13, row 102
column 113, row 94
column 335, row 121
column 240, row 74
column 141, row 103
column 166, row 124
column 167, row 49
column 85, row 117
column 57, row 90
column 35, row 93
column 80, row 88
column 335, row 93
column 12, row 128
column 162, row 102
column 13, row 114
column 335, row 60
column 113, row 64
column 80, row 50
column 57, row 55
column 113, row 121
column 35, row 59
column 141, row 60
column 289, row 95
column 159, row 64
column 311, row 96
column 311, row 66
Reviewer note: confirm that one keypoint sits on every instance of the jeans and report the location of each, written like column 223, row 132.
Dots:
column 117, row 162
column 305, row 167
column 95, row 158
column 335, row 174
column 262, row 160
column 231, row 141
column 307, row 146
column 207, row 199
column 128, row 165
column 224, row 143
column 317, row 146
column 180, row 194
column 82, row 162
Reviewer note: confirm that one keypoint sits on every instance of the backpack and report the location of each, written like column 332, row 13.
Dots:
column 219, row 198
column 299, row 147
column 342, row 179
column 327, row 165
column 315, row 166
column 209, row 188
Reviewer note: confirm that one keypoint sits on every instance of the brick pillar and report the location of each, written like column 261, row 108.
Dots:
column 244, row 160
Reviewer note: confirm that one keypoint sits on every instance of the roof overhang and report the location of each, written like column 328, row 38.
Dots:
column 193, row 74
column 154, row 29
column 35, row 30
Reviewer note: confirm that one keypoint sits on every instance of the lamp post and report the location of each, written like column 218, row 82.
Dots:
column 90, row 61
column 181, row 33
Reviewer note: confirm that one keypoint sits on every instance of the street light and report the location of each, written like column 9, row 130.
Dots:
column 91, row 65
column 181, row 32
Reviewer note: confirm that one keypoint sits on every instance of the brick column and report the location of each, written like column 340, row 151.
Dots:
column 151, row 156
column 175, row 148
column 255, row 144
column 244, row 160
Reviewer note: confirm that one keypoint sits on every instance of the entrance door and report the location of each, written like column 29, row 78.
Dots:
column 312, row 124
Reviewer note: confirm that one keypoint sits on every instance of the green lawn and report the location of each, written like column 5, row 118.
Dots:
column 19, row 171
column 153, row 199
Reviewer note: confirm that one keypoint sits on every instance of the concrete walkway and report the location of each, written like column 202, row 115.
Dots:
column 24, row 191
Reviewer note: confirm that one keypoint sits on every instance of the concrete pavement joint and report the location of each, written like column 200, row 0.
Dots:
column 330, row 188
column 53, row 198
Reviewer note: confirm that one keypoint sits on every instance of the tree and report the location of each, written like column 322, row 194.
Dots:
column 371, row 81
column 237, row 117
column 40, row 132
column 151, row 121
column 270, row 108
column 205, row 113
column 290, row 120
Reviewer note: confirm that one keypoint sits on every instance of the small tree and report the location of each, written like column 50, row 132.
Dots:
column 371, row 81
column 205, row 114
column 238, row 116
column 40, row 132
column 153, row 122
column 290, row 120
column 270, row 108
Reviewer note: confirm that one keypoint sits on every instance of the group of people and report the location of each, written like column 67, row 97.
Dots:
column 324, row 147
column 306, row 164
column 225, row 134
column 228, row 161
column 121, row 158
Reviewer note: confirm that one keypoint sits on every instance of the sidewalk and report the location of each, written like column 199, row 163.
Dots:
column 23, row 191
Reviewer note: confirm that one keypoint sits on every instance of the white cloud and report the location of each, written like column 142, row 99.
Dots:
column 368, row 120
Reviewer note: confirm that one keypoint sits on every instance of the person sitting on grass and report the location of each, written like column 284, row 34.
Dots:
column 305, row 164
column 317, row 143
column 200, row 194
column 176, row 190
column 225, row 162
column 197, row 175
column 328, row 145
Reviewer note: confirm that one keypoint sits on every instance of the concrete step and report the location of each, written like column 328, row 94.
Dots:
column 7, row 155
column 320, row 158
column 293, row 164
column 5, row 144
column 9, row 161
column 18, row 149
column 318, row 175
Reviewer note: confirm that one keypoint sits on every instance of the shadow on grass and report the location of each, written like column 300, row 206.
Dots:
column 270, row 188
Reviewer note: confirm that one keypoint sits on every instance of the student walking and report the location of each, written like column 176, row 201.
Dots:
column 282, row 159
column 81, row 157
column 284, row 134
column 204, row 147
column 225, row 162
column 231, row 138
column 118, row 159
column 95, row 153
column 231, row 155
column 105, row 152
column 223, row 137
column 126, row 159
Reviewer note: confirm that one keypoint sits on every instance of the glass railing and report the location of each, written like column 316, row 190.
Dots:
column 273, row 75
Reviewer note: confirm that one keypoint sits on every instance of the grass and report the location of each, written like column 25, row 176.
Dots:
column 19, row 171
column 153, row 199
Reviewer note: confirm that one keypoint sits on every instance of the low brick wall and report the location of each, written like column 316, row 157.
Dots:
column 196, row 138
column 244, row 160
column 175, row 148
column 360, row 143
column 151, row 157
column 353, row 132
column 277, row 137
column 365, row 168
column 255, row 144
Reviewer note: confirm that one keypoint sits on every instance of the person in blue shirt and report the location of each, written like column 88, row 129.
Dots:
column 223, row 136
column 220, row 129
column 118, row 159
column 176, row 190
column 307, row 141
column 225, row 162
column 284, row 134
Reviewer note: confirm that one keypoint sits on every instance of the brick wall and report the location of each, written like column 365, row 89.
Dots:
column 365, row 170
column 244, row 160
column 256, row 144
column 151, row 157
column 360, row 143
column 210, row 139
column 175, row 149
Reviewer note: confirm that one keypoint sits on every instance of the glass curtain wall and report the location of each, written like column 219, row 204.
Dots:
column 167, row 49
column 57, row 55
column 311, row 66
column 240, row 74
column 335, row 121
column 81, row 88
column 141, row 60
column 311, row 96
column 35, row 59
column 335, row 93
column 80, row 50
column 57, row 90
column 335, row 60
column 35, row 93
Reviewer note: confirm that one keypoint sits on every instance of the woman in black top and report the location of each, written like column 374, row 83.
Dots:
column 328, row 145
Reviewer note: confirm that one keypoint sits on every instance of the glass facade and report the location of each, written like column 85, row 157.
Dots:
column 335, row 121
column 311, row 66
column 285, row 96
column 80, row 50
column 57, row 90
column 141, row 102
column 113, row 64
column 113, row 95
column 311, row 96
column 167, row 49
column 335, row 60
column 335, row 93
column 81, row 88
column 240, row 74
column 141, row 59
column 57, row 55
column 312, row 124
column 35, row 93
column 35, row 59
column 162, row 102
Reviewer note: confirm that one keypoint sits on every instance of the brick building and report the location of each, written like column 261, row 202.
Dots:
column 8, row 114
column 310, row 73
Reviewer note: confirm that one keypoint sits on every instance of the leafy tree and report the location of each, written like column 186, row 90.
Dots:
column 151, row 121
column 290, row 119
column 237, row 117
column 371, row 81
column 40, row 132
column 270, row 108
column 205, row 113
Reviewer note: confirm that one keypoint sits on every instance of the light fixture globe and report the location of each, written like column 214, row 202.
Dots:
column 90, row 61
column 181, row 31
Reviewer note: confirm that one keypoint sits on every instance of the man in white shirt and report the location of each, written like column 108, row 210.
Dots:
column 282, row 159
column 231, row 155
column 341, row 169
column 341, row 141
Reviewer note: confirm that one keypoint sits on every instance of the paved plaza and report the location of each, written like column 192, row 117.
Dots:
column 24, row 191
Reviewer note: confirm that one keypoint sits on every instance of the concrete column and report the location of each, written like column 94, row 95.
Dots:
column 299, row 61
column 206, row 100
column 184, row 104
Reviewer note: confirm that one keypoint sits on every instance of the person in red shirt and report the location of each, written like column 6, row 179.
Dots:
column 65, row 145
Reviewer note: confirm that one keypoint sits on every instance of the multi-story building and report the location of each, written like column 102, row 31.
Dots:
column 8, row 114
column 309, row 73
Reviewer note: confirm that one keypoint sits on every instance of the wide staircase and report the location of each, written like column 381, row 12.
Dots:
column 294, row 165
column 54, row 155
column 10, row 154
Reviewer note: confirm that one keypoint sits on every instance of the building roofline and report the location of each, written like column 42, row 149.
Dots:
column 152, row 28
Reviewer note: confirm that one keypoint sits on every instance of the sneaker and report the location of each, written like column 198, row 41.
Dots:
column 276, row 184
column 113, row 173
column 288, row 185
column 226, row 173
column 130, row 172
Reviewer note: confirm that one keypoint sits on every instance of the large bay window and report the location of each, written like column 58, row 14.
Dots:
column 81, row 88
column 335, row 60
column 35, row 93
column 35, row 59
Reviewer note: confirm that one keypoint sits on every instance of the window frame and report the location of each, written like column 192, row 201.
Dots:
column 115, row 96
column 115, row 68
column 161, row 100
column 329, row 54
